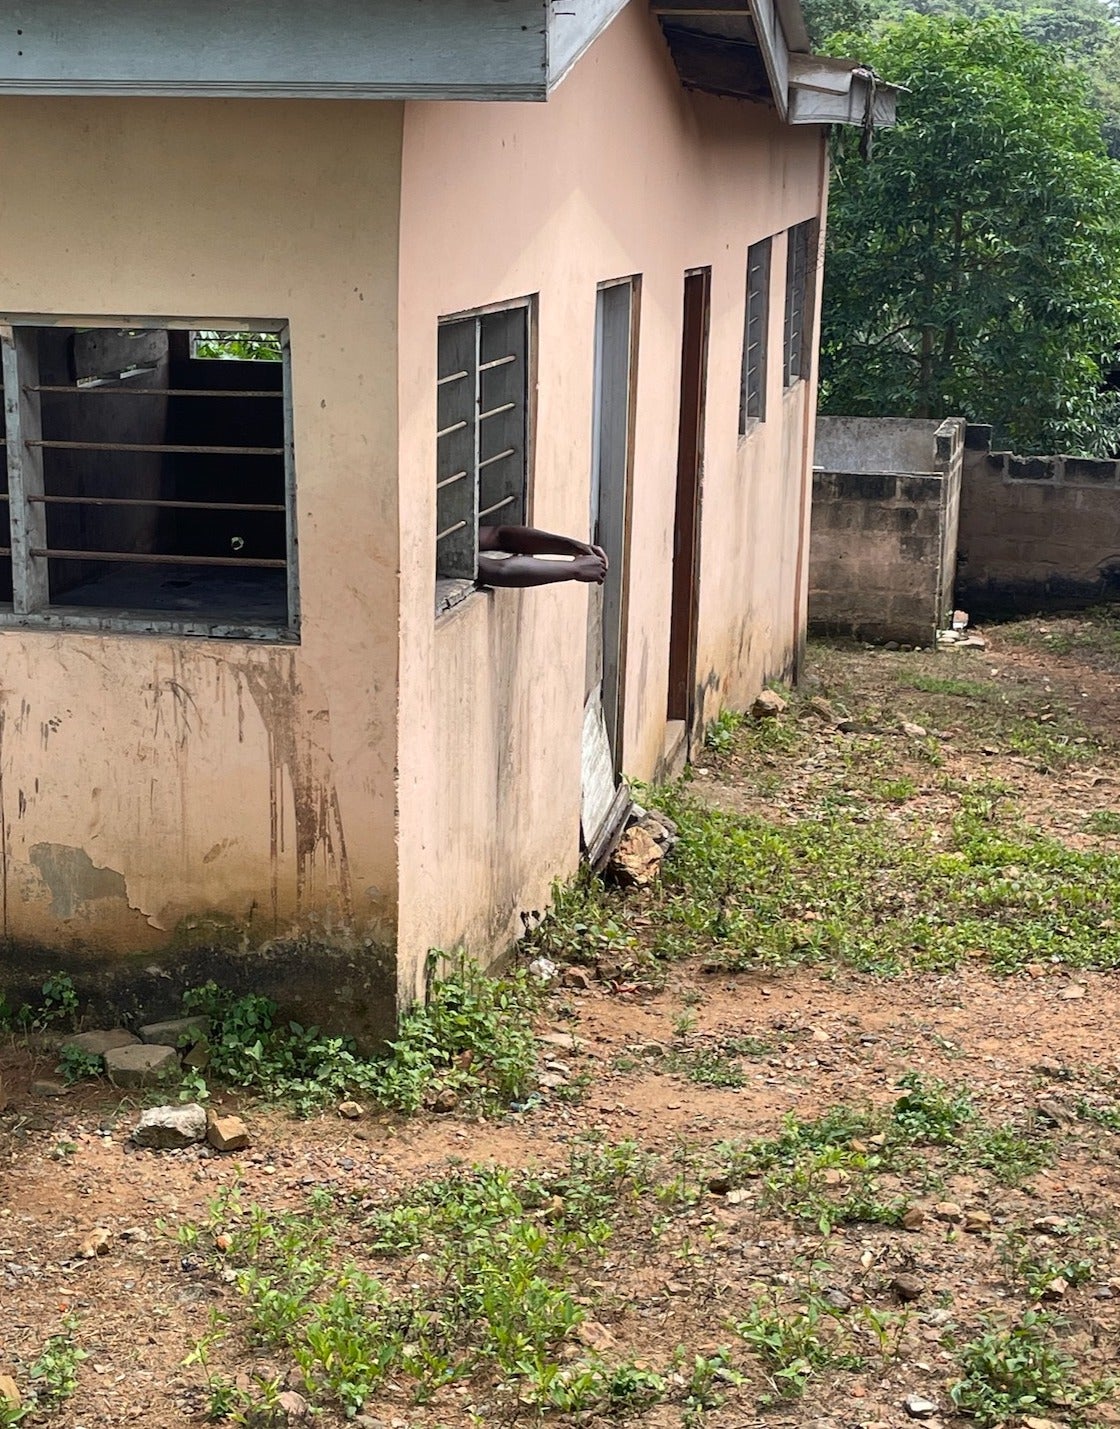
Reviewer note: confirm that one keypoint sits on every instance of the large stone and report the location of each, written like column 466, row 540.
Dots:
column 636, row 860
column 167, row 1128
column 102, row 1040
column 178, row 1031
column 768, row 705
column 227, row 1133
column 140, row 1065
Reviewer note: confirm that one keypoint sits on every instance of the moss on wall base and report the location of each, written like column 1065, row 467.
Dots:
column 345, row 986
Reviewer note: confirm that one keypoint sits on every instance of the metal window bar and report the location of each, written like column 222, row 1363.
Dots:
column 752, row 393
column 28, row 498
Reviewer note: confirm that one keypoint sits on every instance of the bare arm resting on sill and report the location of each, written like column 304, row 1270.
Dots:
column 521, row 566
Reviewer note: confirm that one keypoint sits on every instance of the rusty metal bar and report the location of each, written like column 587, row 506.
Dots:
column 450, row 480
column 155, row 391
column 142, row 501
column 451, row 377
column 446, row 431
column 450, row 531
column 156, row 447
column 497, row 411
column 497, row 362
column 143, row 559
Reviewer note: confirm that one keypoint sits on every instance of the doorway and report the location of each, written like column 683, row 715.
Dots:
column 681, row 705
column 604, row 799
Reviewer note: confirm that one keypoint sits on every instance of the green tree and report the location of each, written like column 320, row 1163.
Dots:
column 974, row 266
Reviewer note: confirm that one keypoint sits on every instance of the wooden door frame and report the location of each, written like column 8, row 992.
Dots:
column 685, row 595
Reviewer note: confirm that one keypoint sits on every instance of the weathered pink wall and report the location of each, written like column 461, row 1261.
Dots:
column 155, row 788
column 621, row 172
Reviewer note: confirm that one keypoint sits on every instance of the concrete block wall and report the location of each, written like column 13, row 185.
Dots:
column 1036, row 533
column 884, row 535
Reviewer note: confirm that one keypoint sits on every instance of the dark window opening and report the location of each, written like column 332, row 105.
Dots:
column 148, row 484
column 752, row 390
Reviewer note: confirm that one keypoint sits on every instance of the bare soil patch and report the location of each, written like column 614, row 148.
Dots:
column 694, row 1066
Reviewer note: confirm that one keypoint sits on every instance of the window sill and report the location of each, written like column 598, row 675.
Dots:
column 451, row 592
column 123, row 623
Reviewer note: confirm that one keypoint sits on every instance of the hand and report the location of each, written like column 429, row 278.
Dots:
column 591, row 569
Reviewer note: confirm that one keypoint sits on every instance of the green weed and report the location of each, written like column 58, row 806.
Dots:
column 76, row 1065
column 1007, row 1373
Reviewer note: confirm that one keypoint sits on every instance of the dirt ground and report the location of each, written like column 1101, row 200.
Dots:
column 1036, row 1050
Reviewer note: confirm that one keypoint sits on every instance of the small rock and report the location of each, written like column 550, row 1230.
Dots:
column 820, row 707
column 719, row 1185
column 1049, row 1067
column 768, row 705
column 1036, row 970
column 176, row 1032
column 293, row 1406
column 543, row 969
column 166, row 1128
column 101, row 1040
column 1055, row 1113
column 48, row 1089
column 948, row 1211
column 137, row 1066
column 977, row 1222
column 595, row 1336
column 198, row 1056
column 226, row 1133
column 636, row 860
column 562, row 1041
column 1055, row 1289
column 576, row 977
column 550, row 1081
column 913, row 1218
column 352, row 1111
column 445, row 1100
column 838, row 1299
column 1031, row 1421
column 919, row 1408
column 1074, row 993
column 908, row 1288
column 915, row 731
column 94, row 1242
column 1050, row 1225
column 1104, row 1292
column 652, row 1050
column 9, row 1392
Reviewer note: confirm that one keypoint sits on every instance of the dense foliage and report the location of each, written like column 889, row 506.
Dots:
column 974, row 267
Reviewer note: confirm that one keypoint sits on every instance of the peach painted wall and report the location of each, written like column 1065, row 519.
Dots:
column 152, row 784
column 621, row 172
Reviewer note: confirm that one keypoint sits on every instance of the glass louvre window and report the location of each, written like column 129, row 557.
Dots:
column 752, row 390
column 146, row 488
column 481, row 433
column 802, row 245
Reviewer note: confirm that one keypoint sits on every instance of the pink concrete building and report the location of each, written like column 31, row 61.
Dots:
column 287, row 312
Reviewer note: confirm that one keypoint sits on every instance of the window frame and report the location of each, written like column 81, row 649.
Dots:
column 754, row 374
column 801, row 249
column 30, row 607
column 451, row 590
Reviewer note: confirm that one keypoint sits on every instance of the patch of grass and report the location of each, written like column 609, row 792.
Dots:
column 1008, row 1373
column 710, row 1066
column 929, row 1112
column 1045, row 1276
column 473, row 1037
column 476, row 1284
column 797, row 1337
column 77, row 1065
column 53, row 1378
column 1106, row 1116
column 894, row 791
column 984, row 691
column 59, row 1004
column 1103, row 821
column 720, row 734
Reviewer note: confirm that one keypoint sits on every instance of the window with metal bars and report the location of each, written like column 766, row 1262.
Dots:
column 482, row 430
column 146, row 488
column 802, row 247
column 752, row 389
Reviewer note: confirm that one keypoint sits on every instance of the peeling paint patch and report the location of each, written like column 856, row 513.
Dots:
column 73, row 878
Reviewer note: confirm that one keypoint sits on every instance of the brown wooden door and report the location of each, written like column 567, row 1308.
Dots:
column 686, row 522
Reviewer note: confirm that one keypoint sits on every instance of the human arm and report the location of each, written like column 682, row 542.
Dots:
column 524, row 571
column 528, row 541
